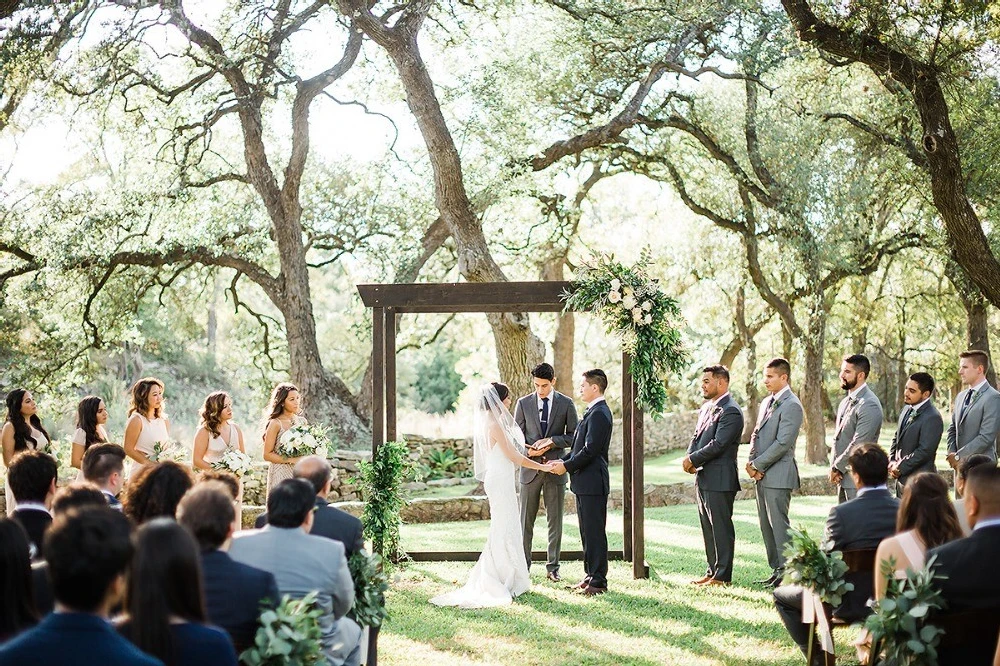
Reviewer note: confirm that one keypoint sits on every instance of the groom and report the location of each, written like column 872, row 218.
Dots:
column 587, row 465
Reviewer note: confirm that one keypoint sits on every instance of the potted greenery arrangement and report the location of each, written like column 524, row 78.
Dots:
column 899, row 624
column 289, row 635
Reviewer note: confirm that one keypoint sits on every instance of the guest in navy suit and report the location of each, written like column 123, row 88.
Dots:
column 235, row 593
column 164, row 585
column 32, row 477
column 328, row 521
column 17, row 602
column 87, row 552
column 104, row 466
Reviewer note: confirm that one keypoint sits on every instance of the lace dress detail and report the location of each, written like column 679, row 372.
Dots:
column 278, row 472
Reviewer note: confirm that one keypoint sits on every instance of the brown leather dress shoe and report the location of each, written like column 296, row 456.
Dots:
column 591, row 591
column 712, row 583
column 701, row 581
column 554, row 576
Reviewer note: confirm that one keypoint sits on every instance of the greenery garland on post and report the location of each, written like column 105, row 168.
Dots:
column 380, row 483
column 633, row 306
column 289, row 635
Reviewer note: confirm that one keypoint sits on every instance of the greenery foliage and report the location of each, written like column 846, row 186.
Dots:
column 289, row 635
column 370, row 586
column 814, row 568
column 899, row 622
column 436, row 385
column 632, row 304
column 379, row 482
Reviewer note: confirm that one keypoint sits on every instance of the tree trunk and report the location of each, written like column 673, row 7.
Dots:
column 750, row 344
column 212, row 328
column 812, row 386
column 563, row 345
column 976, row 313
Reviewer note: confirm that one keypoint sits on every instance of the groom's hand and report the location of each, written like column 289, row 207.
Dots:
column 557, row 467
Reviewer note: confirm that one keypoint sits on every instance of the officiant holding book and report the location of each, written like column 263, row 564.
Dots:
column 548, row 420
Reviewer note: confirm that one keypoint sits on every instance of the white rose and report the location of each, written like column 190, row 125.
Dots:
column 616, row 284
column 647, row 306
column 637, row 315
column 628, row 291
column 628, row 302
column 648, row 319
column 614, row 296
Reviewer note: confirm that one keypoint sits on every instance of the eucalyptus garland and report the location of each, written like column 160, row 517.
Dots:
column 632, row 305
column 899, row 622
column 812, row 567
column 380, row 481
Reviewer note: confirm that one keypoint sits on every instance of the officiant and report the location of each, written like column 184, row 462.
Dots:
column 548, row 420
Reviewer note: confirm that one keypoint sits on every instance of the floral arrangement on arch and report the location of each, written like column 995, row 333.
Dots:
column 632, row 305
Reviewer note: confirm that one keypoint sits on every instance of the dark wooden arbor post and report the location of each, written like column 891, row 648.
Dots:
column 388, row 301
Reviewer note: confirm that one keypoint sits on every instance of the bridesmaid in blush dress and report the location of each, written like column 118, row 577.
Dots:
column 147, row 423
column 282, row 413
column 21, row 431
column 216, row 434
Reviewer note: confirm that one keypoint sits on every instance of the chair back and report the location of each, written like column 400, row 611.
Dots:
column 860, row 560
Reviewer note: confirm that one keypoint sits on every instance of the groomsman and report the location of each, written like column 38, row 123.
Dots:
column 975, row 418
column 772, row 463
column 918, row 433
column 859, row 421
column 712, row 457
column 548, row 420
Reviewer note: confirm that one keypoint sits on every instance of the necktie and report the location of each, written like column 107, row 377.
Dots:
column 908, row 416
column 545, row 415
column 968, row 399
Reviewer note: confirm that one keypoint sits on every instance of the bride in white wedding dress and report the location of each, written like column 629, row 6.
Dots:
column 501, row 572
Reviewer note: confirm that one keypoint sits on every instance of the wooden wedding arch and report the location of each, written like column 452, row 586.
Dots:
column 388, row 301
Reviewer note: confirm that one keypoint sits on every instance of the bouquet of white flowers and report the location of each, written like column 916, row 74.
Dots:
column 235, row 461
column 304, row 440
column 166, row 450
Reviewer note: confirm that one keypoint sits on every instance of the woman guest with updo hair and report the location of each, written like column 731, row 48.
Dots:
column 216, row 433
column 91, row 415
column 22, row 431
column 282, row 413
column 147, row 422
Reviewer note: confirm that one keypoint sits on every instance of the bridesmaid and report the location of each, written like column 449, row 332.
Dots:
column 22, row 430
column 147, row 424
column 282, row 414
column 216, row 433
column 91, row 415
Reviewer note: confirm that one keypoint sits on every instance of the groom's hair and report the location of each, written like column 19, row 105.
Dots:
column 597, row 378
column 544, row 371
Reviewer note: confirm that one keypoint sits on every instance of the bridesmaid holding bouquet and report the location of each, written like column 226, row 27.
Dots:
column 91, row 415
column 282, row 413
column 216, row 434
column 147, row 423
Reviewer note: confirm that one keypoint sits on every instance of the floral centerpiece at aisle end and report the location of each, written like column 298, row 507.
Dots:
column 167, row 450
column 632, row 305
column 235, row 461
column 304, row 440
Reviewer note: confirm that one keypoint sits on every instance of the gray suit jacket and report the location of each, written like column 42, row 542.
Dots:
column 562, row 425
column 772, row 444
column 976, row 428
column 859, row 422
column 916, row 444
column 303, row 563
column 714, row 447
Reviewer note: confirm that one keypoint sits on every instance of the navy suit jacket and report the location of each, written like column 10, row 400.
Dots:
column 332, row 523
column 714, row 447
column 587, row 462
column 73, row 639
column 35, row 524
column 234, row 594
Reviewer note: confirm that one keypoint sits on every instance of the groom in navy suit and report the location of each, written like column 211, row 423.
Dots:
column 587, row 465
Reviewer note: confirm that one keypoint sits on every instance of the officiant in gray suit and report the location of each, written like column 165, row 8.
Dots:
column 548, row 420
column 918, row 433
column 975, row 419
column 772, row 463
column 859, row 421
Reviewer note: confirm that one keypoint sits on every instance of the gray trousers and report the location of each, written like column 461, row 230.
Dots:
column 846, row 494
column 547, row 486
column 715, row 510
column 772, row 510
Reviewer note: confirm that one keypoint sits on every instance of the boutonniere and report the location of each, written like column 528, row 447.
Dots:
column 776, row 404
column 976, row 396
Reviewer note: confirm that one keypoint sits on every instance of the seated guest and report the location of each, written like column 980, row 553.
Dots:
column 155, row 490
column 926, row 520
column 304, row 563
column 328, row 521
column 235, row 593
column 32, row 476
column 968, row 581
column 860, row 523
column 233, row 488
column 964, row 467
column 17, row 599
column 164, row 602
column 88, row 552
column 104, row 466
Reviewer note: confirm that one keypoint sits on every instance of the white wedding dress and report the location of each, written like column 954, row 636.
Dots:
column 501, row 572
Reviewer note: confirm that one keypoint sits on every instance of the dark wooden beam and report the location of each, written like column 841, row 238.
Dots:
column 390, row 374
column 467, row 296
column 473, row 555
column 378, row 378
column 639, row 567
column 628, row 409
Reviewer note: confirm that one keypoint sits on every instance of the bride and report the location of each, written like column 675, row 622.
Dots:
column 501, row 572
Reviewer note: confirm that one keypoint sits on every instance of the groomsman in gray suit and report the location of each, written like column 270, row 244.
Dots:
column 975, row 418
column 772, row 463
column 859, row 421
column 918, row 433
column 548, row 420
column 712, row 457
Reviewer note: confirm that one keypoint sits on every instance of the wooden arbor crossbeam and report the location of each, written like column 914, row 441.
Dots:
column 388, row 301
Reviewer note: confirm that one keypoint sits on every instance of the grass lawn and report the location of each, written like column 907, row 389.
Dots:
column 659, row 621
